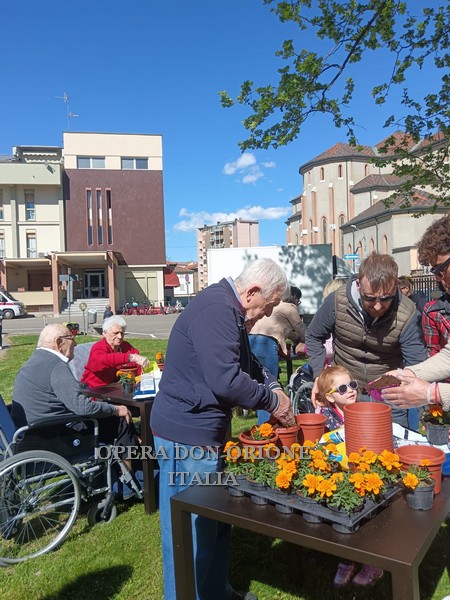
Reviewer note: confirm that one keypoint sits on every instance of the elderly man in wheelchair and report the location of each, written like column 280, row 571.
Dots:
column 50, row 458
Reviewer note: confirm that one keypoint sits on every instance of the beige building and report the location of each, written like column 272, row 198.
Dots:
column 230, row 234
column 342, row 204
column 85, row 218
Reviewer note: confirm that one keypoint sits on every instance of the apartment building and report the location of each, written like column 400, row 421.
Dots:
column 229, row 234
column 92, row 212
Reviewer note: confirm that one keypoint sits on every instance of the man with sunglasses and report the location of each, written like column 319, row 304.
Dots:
column 434, row 249
column 373, row 326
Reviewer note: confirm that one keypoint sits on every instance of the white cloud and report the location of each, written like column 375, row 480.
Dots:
column 243, row 162
column 247, row 168
column 193, row 220
column 253, row 176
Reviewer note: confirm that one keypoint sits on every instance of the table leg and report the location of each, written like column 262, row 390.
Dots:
column 147, row 463
column 182, row 552
column 405, row 583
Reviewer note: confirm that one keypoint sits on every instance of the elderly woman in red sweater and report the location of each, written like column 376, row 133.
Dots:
column 110, row 354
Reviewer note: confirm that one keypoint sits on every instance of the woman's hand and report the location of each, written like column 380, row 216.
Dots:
column 142, row 361
column 411, row 393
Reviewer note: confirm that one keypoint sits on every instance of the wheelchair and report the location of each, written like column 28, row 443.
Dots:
column 46, row 472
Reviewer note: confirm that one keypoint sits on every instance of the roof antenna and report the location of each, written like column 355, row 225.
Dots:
column 70, row 114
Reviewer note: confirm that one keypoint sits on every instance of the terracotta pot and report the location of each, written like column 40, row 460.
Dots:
column 132, row 370
column 287, row 435
column 368, row 424
column 413, row 455
column 312, row 427
column 247, row 442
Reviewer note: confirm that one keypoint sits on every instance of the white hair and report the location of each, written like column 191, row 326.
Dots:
column 114, row 320
column 266, row 274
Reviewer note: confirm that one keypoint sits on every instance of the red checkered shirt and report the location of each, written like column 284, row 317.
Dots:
column 436, row 326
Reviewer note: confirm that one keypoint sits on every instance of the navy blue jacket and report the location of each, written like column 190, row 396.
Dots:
column 208, row 370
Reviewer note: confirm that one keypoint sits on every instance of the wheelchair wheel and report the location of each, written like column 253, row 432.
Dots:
column 39, row 502
column 94, row 514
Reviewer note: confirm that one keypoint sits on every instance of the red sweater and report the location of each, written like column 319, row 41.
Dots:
column 103, row 363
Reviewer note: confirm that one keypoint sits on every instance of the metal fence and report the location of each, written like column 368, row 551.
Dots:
column 426, row 285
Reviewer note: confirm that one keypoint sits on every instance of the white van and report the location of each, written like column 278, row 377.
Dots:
column 10, row 306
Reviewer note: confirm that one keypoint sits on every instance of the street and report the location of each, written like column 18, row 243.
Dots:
column 154, row 326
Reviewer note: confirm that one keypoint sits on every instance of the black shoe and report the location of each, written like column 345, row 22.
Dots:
column 240, row 595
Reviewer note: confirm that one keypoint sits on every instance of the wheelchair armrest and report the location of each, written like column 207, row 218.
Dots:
column 62, row 420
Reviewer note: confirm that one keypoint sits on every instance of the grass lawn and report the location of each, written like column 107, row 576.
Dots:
column 122, row 560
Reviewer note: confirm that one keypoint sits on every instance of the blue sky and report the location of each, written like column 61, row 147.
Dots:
column 156, row 67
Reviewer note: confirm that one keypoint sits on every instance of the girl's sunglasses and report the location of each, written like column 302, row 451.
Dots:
column 342, row 389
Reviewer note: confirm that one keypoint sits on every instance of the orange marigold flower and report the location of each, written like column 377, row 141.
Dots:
column 354, row 458
column 363, row 466
column 357, row 479
column 229, row 445
column 389, row 460
column 369, row 457
column 373, row 482
column 339, row 476
column 317, row 454
column 410, row 480
column 308, row 444
column 283, row 480
column 233, row 454
column 321, row 465
column 311, row 482
column 425, row 462
column 326, row 488
column 330, row 447
column 266, row 430
column 290, row 468
column 435, row 410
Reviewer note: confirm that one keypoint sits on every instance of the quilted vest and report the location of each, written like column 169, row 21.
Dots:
column 368, row 352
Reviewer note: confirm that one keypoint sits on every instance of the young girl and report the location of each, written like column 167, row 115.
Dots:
column 336, row 389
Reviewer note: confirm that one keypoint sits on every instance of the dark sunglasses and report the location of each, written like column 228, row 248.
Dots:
column 342, row 389
column 438, row 270
column 373, row 299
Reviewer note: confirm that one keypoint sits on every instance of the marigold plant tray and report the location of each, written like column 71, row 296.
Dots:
column 313, row 512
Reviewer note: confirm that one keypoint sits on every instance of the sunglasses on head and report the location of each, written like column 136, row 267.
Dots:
column 438, row 270
column 373, row 299
column 342, row 389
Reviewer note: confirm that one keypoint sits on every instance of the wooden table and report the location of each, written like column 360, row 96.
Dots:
column 396, row 539
column 114, row 394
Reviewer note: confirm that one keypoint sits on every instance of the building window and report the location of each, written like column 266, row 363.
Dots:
column 134, row 163
column 366, row 170
column 30, row 207
column 109, row 216
column 31, row 244
column 322, row 174
column 309, row 177
column 324, row 230
column 99, row 217
column 89, row 215
column 2, row 244
column 90, row 162
column 1, row 206
column 385, row 245
column 341, row 224
column 340, row 171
